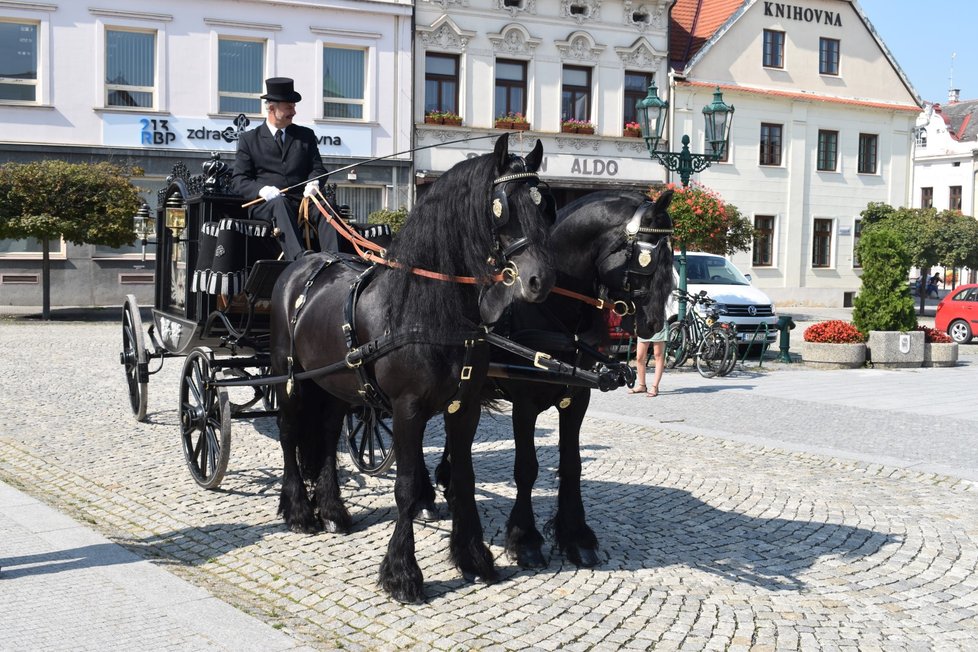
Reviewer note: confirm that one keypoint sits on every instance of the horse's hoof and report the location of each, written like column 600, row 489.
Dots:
column 530, row 557
column 473, row 578
column 303, row 528
column 333, row 527
column 407, row 597
column 587, row 557
column 428, row 513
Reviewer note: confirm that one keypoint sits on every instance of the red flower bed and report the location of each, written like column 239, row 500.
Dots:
column 834, row 331
column 934, row 336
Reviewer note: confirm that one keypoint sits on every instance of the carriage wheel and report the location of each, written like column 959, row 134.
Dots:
column 369, row 436
column 133, row 357
column 269, row 398
column 205, row 420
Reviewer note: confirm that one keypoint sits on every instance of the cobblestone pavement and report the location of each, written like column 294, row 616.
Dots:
column 707, row 542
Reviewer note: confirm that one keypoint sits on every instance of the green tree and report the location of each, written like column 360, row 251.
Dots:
column 919, row 230
column 52, row 199
column 957, row 240
column 704, row 222
column 883, row 303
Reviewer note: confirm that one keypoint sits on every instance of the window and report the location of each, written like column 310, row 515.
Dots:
column 30, row 248
column 240, row 70
column 828, row 56
column 440, row 83
column 867, row 153
column 130, row 68
column 828, row 150
column 822, row 243
column 920, row 136
column 18, row 62
column 510, row 87
column 857, row 231
column 954, row 198
column 636, row 88
column 773, row 49
column 362, row 200
column 763, row 241
column 770, row 144
column 575, row 97
column 926, row 197
column 344, row 70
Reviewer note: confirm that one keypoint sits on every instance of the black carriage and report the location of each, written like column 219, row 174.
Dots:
column 215, row 269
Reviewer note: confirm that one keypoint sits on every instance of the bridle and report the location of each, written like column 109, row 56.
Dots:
column 640, row 253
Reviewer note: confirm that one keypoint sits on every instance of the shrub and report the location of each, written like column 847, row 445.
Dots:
column 834, row 331
column 883, row 303
column 393, row 218
column 934, row 336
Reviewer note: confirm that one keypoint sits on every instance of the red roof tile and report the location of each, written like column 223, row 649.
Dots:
column 692, row 23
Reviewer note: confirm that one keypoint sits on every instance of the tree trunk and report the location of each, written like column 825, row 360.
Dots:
column 922, row 289
column 46, row 280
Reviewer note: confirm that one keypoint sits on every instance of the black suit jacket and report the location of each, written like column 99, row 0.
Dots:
column 259, row 162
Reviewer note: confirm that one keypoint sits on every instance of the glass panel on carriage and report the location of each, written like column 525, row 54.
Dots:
column 240, row 65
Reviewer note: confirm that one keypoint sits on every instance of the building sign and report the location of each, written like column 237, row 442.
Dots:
column 806, row 14
column 554, row 165
column 214, row 134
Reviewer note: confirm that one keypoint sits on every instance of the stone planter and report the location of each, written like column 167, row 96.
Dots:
column 833, row 356
column 940, row 354
column 896, row 350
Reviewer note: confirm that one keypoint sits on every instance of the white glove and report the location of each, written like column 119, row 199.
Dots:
column 268, row 193
column 311, row 189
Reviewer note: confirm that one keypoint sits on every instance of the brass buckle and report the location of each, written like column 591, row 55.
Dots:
column 353, row 365
column 623, row 308
column 540, row 355
column 466, row 372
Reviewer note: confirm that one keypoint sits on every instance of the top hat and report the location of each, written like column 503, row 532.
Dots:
column 279, row 89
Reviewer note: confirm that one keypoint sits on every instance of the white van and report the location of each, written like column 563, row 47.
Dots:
column 738, row 301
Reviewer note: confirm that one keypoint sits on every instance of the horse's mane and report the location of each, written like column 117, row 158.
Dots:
column 449, row 231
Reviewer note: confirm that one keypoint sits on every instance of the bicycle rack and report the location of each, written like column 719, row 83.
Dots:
column 753, row 339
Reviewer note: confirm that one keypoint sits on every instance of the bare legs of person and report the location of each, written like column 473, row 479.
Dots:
column 659, row 353
column 641, row 357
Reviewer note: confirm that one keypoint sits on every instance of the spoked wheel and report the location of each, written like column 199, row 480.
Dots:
column 712, row 353
column 205, row 420
column 269, row 399
column 133, row 357
column 369, row 436
column 677, row 348
column 732, row 351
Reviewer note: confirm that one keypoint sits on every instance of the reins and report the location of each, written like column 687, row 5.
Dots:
column 374, row 253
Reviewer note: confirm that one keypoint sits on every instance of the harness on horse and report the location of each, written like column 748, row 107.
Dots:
column 360, row 353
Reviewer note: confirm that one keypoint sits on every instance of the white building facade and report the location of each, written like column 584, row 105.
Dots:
column 550, row 61
column 823, row 125
column 154, row 84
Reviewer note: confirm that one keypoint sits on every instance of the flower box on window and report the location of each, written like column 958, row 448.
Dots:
column 577, row 127
column 515, row 121
column 433, row 117
column 632, row 130
column 451, row 119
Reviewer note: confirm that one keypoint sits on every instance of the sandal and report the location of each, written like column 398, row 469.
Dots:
column 652, row 393
column 638, row 389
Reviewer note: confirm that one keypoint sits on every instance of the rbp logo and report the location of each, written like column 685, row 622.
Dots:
column 156, row 132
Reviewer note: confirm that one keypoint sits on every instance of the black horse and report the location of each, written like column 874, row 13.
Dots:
column 410, row 345
column 608, row 244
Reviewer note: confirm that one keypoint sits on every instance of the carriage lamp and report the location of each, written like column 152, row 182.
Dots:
column 143, row 225
column 718, row 116
column 176, row 214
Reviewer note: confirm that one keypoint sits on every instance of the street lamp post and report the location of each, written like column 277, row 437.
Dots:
column 143, row 225
column 652, row 119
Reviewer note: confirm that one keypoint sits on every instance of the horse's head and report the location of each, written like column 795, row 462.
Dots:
column 636, row 269
column 521, row 216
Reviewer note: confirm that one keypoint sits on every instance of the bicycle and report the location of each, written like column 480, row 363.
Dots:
column 711, row 343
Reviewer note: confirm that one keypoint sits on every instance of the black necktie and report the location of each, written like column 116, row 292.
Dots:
column 280, row 139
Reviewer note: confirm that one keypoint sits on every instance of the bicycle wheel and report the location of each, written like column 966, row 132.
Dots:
column 732, row 351
column 677, row 346
column 712, row 353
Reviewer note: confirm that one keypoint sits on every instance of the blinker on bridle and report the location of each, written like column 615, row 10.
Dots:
column 500, row 212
